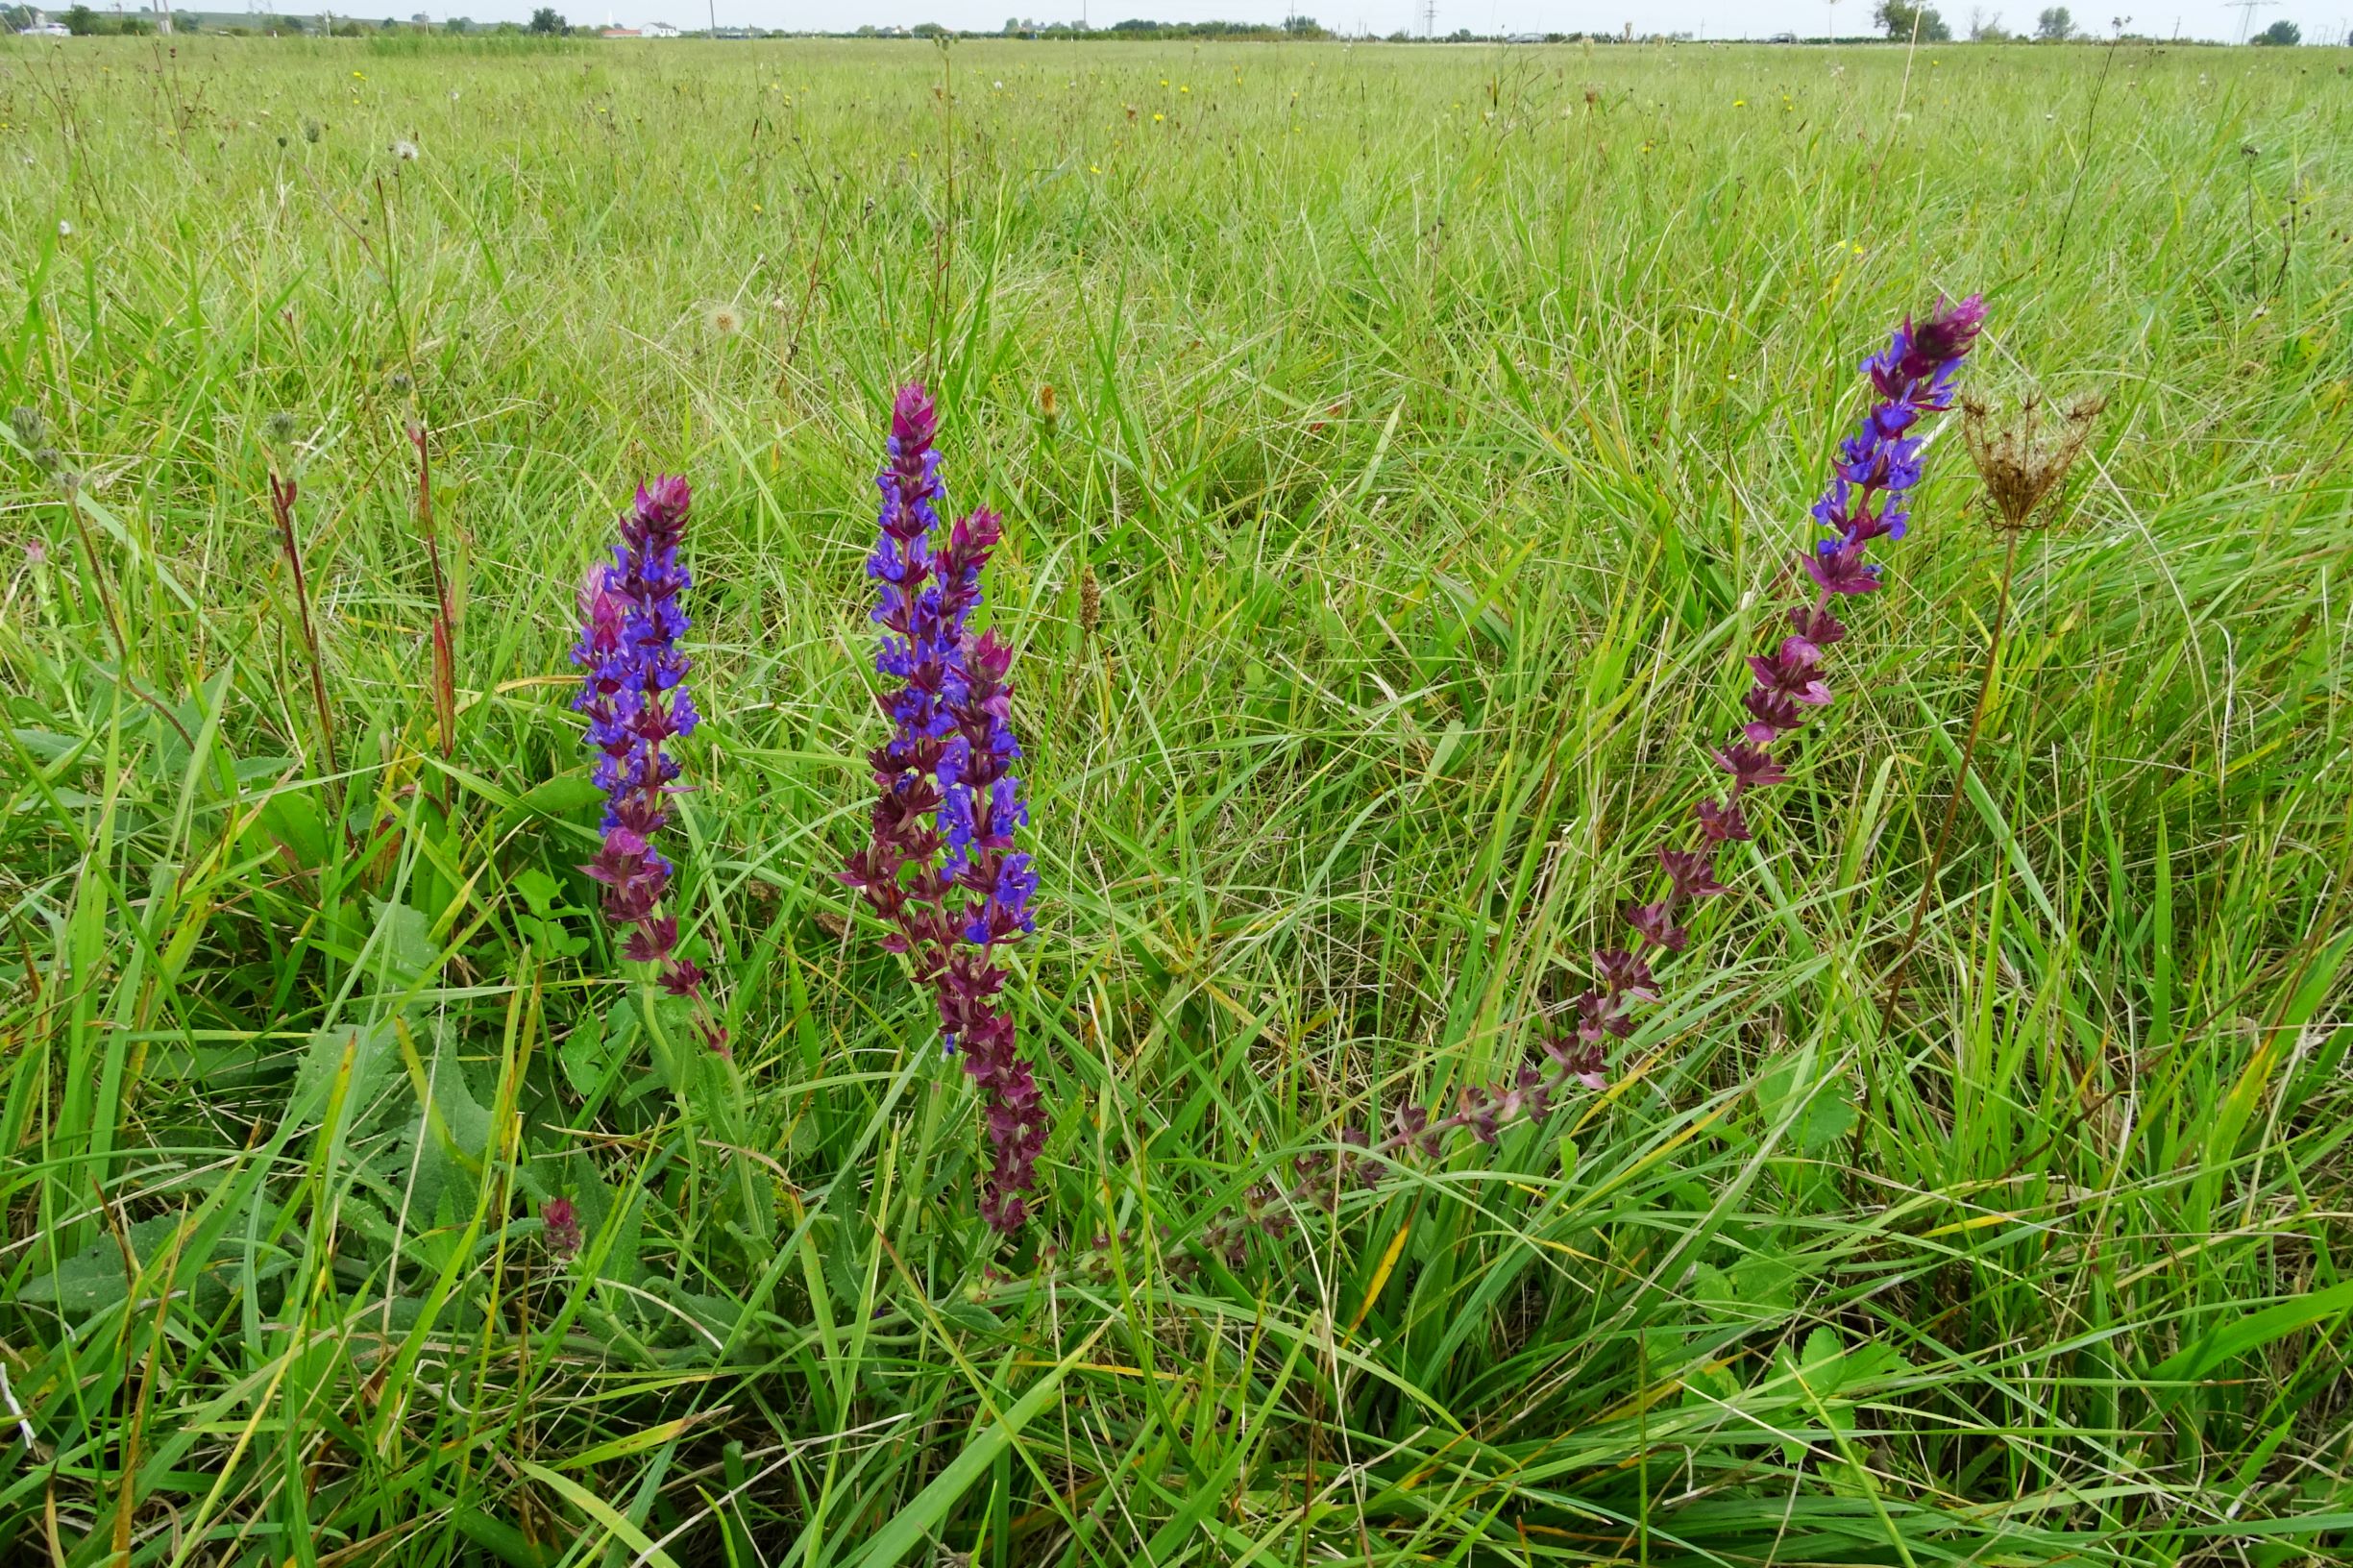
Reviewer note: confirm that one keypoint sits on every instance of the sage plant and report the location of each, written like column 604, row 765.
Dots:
column 940, row 868
column 633, row 691
column 1867, row 499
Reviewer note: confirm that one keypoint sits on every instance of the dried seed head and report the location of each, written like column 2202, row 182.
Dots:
column 1090, row 603
column 724, row 320
column 1047, row 408
column 2023, row 464
column 29, row 426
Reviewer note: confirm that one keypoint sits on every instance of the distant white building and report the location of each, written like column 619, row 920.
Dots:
column 658, row 30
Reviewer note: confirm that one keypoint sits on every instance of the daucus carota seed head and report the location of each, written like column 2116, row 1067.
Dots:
column 2024, row 462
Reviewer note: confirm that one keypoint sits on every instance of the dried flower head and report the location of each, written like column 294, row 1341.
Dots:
column 723, row 320
column 1089, row 603
column 311, row 130
column 2023, row 464
column 405, row 151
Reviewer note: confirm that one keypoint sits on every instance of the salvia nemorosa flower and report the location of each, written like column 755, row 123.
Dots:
column 633, row 691
column 1876, row 468
column 1876, row 471
column 939, row 867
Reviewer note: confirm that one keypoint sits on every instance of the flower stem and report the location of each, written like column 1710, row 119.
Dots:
column 1960, row 785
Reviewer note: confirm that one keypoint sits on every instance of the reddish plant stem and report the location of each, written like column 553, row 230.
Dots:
column 282, row 512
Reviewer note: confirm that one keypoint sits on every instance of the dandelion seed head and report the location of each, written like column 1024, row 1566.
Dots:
column 405, row 151
column 723, row 320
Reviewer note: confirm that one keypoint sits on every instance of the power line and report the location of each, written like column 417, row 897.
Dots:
column 2246, row 9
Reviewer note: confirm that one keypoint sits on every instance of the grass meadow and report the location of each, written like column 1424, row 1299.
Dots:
column 1433, row 433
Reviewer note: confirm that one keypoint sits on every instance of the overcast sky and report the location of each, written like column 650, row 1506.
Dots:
column 1709, row 19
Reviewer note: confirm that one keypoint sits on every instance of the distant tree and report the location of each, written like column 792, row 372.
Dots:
column 81, row 21
column 2284, row 34
column 16, row 18
column 1903, row 20
column 458, row 24
column 546, row 23
column 1302, row 27
column 2055, row 25
column 1985, row 27
column 928, row 30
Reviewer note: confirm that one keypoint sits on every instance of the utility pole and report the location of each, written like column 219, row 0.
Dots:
column 2246, row 9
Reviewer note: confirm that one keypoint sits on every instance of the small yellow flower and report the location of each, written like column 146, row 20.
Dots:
column 360, row 76
column 1185, row 89
column 755, row 206
column 1157, row 118
column 1740, row 102
column 1095, row 168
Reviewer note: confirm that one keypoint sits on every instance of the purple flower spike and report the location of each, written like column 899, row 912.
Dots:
column 1876, row 468
column 1868, row 498
column 633, row 691
column 940, row 869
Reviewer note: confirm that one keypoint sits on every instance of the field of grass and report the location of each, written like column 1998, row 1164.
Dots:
column 1434, row 431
